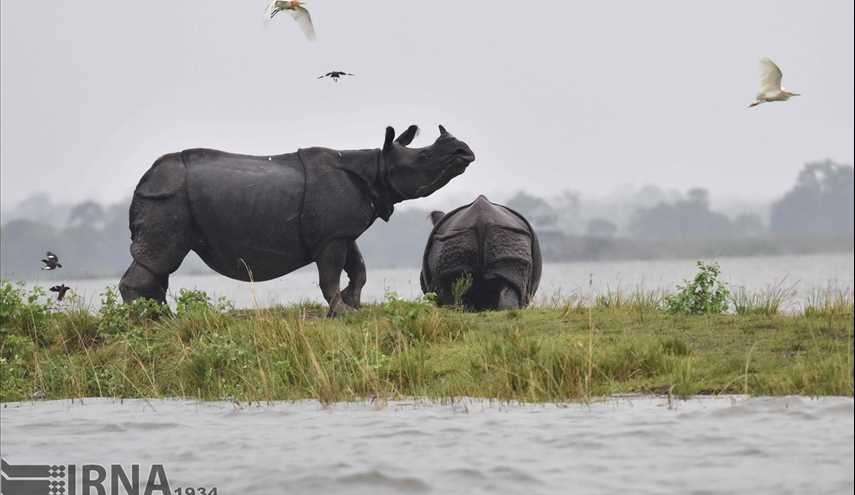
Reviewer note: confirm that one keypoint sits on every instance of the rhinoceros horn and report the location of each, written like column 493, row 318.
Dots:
column 442, row 131
column 407, row 136
column 390, row 135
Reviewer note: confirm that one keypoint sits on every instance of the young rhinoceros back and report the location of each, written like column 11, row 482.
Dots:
column 492, row 243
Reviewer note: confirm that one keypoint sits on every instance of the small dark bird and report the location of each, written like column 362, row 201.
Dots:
column 60, row 290
column 334, row 75
column 51, row 261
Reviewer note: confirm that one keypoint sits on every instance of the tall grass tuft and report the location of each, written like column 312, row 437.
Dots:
column 830, row 301
column 770, row 301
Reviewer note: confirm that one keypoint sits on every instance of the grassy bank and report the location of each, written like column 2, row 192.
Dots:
column 572, row 350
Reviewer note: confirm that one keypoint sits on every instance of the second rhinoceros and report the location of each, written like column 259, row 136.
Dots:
column 260, row 217
column 492, row 244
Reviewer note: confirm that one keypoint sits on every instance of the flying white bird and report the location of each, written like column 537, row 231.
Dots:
column 298, row 12
column 770, row 84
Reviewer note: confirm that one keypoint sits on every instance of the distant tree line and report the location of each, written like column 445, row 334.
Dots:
column 94, row 241
column 820, row 204
column 816, row 214
column 691, row 219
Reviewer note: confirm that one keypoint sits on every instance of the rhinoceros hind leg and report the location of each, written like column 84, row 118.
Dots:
column 508, row 298
column 139, row 282
column 331, row 262
column 492, row 294
column 354, row 266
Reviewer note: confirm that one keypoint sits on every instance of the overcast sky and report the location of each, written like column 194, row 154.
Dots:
column 565, row 95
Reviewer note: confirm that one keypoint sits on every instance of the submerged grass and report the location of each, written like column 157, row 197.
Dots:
column 572, row 350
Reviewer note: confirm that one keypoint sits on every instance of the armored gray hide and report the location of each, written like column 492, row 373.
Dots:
column 260, row 217
column 492, row 243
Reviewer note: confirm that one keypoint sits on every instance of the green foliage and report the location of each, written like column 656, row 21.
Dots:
column 706, row 294
column 460, row 288
column 113, row 314
column 215, row 364
column 116, row 317
column 15, row 357
column 22, row 309
column 10, row 301
column 191, row 301
column 141, row 310
column 404, row 313
column 407, row 348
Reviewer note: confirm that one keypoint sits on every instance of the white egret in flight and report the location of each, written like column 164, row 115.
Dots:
column 298, row 12
column 770, row 84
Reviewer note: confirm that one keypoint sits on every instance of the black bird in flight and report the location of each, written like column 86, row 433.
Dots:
column 51, row 261
column 334, row 75
column 60, row 290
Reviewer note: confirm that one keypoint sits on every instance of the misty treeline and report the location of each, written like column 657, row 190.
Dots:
column 815, row 215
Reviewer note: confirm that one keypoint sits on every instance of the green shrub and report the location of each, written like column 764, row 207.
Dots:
column 114, row 317
column 15, row 354
column 26, row 311
column 403, row 313
column 217, row 366
column 10, row 302
column 191, row 301
column 705, row 294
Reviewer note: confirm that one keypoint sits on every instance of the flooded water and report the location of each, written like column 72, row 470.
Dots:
column 805, row 273
column 632, row 445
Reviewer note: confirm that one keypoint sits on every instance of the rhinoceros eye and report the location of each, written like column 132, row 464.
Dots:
column 425, row 155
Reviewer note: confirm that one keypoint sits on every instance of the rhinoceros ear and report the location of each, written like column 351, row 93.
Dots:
column 390, row 135
column 407, row 136
column 436, row 216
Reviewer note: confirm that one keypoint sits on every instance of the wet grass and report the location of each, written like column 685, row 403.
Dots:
column 769, row 301
column 570, row 350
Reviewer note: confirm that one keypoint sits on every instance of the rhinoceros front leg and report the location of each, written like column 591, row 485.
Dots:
column 354, row 266
column 331, row 262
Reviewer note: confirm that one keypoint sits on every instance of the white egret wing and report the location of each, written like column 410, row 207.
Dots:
column 301, row 15
column 770, row 78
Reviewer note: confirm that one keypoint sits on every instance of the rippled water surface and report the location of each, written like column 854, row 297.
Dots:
column 619, row 445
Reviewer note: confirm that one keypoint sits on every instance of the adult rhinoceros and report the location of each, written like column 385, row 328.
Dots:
column 493, row 244
column 260, row 217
